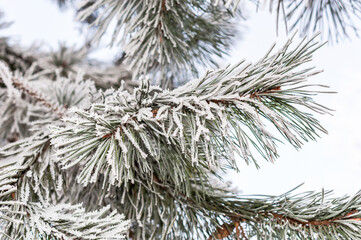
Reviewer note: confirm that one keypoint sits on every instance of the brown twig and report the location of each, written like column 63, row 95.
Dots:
column 226, row 230
column 328, row 222
column 159, row 29
column 223, row 231
column 257, row 94
column 163, row 6
column 308, row 223
column 243, row 232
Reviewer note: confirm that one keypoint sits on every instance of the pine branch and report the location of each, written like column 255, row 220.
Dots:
column 157, row 146
column 14, row 58
column 20, row 157
column 156, row 154
column 300, row 216
column 212, row 213
column 157, row 34
column 66, row 61
column 212, row 118
column 63, row 221
column 30, row 184
column 38, row 97
column 335, row 19
column 22, row 107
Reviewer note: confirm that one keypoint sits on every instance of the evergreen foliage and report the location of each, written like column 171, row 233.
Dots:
column 87, row 156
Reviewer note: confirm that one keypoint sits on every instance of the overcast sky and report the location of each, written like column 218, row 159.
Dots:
column 333, row 162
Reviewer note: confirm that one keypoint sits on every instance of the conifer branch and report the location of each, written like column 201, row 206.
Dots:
column 209, row 114
column 296, row 217
column 126, row 142
column 38, row 97
column 28, row 201
column 22, row 107
column 156, row 155
column 61, row 222
column 66, row 61
column 157, row 33
column 335, row 19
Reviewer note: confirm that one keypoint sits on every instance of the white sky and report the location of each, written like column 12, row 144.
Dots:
column 333, row 162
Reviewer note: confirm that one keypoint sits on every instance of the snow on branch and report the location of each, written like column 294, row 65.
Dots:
column 29, row 155
column 61, row 221
column 211, row 119
column 30, row 98
column 30, row 183
column 166, row 35
column 290, row 216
